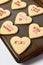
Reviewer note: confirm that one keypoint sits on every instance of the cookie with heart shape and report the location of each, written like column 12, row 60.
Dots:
column 33, row 10
column 35, row 31
column 19, row 45
column 22, row 18
column 4, row 13
column 18, row 4
column 8, row 28
column 4, row 1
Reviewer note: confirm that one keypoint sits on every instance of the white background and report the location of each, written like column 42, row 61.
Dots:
column 7, row 59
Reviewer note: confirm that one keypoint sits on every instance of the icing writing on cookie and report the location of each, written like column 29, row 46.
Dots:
column 23, row 17
column 20, row 19
column 8, row 27
column 36, row 30
column 17, row 3
column 35, row 9
column 19, row 42
column 2, row 12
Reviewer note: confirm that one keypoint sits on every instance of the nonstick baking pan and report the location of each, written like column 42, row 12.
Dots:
column 36, row 47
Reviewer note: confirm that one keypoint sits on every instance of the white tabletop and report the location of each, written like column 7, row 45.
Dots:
column 7, row 59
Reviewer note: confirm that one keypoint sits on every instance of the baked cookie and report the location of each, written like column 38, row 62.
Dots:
column 22, row 18
column 35, row 31
column 8, row 28
column 18, row 4
column 4, row 13
column 4, row 1
column 33, row 10
column 20, row 44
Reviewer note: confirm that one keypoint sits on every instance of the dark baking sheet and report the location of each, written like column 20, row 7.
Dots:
column 40, row 2
column 36, row 46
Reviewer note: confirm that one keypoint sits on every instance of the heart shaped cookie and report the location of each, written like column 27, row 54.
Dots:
column 18, row 4
column 22, row 18
column 4, row 1
column 4, row 13
column 35, row 31
column 8, row 28
column 20, row 44
column 33, row 10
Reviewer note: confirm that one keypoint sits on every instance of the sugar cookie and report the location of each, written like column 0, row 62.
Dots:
column 8, row 28
column 4, row 1
column 35, row 31
column 22, row 18
column 20, row 44
column 4, row 13
column 33, row 10
column 18, row 4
